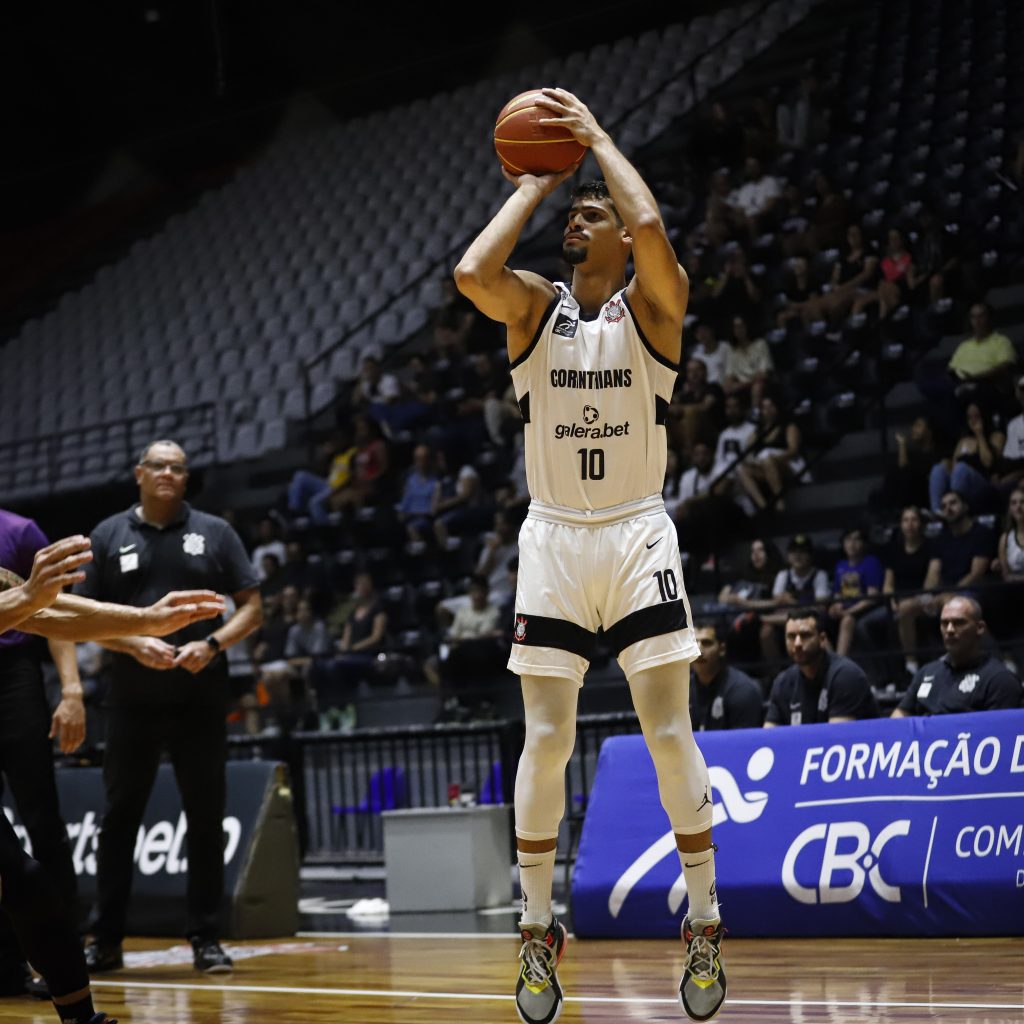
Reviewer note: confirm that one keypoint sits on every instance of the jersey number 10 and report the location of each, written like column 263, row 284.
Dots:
column 591, row 463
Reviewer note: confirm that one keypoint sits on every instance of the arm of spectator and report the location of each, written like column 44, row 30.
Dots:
column 979, row 569
column 376, row 638
column 773, row 714
column 793, row 441
column 933, row 577
column 847, row 693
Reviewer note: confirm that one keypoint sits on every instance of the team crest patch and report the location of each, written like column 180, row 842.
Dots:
column 520, row 631
column 968, row 683
column 194, row 544
column 614, row 311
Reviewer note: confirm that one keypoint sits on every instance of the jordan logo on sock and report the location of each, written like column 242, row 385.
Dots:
column 706, row 801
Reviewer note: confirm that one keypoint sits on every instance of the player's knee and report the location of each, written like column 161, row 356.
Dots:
column 670, row 743
column 550, row 740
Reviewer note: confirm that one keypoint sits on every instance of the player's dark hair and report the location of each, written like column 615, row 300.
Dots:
column 807, row 613
column 595, row 190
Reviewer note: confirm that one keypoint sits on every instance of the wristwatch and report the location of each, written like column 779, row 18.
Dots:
column 214, row 643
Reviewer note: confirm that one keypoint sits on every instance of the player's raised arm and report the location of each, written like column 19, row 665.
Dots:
column 660, row 286
column 514, row 298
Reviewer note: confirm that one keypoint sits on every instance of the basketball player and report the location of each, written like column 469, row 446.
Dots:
column 44, row 927
column 593, row 367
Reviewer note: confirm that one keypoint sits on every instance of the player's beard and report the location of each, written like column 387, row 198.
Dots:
column 574, row 254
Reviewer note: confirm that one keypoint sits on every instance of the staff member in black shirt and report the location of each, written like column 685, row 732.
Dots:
column 819, row 686
column 966, row 678
column 167, row 695
column 721, row 697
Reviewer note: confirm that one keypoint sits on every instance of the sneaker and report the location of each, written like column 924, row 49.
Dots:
column 539, row 997
column 703, row 985
column 208, row 956
column 103, row 956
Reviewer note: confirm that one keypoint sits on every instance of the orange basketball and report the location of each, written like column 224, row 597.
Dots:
column 525, row 146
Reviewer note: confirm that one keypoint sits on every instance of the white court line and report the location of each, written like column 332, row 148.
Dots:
column 377, row 993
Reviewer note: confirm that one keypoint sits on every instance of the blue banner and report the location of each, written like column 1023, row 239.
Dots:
column 908, row 826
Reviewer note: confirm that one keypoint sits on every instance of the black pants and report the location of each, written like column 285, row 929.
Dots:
column 26, row 760
column 195, row 739
column 40, row 919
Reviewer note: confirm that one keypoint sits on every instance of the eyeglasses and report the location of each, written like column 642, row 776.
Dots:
column 176, row 468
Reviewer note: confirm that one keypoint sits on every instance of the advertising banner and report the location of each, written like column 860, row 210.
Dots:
column 161, row 849
column 908, row 826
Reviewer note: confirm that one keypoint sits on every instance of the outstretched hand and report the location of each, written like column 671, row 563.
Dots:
column 572, row 113
column 55, row 567
column 179, row 609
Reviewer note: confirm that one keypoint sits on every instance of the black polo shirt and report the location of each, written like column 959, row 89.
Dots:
column 135, row 563
column 732, row 700
column 840, row 690
column 939, row 688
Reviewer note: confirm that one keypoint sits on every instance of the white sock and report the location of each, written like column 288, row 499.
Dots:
column 699, row 870
column 536, row 873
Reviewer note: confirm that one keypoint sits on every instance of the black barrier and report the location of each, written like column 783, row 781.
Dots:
column 261, row 860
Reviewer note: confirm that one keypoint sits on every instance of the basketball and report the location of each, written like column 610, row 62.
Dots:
column 525, row 146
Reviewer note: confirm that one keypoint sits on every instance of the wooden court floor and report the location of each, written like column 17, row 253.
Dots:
column 373, row 979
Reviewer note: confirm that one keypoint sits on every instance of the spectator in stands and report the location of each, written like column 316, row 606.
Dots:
column 981, row 368
column 752, row 591
column 420, row 494
column 1011, row 543
column 801, row 584
column 906, row 477
column 757, row 198
column 397, row 411
column 702, row 513
column 369, row 470
column 748, row 364
column 474, row 648
column 967, row 678
column 898, row 277
column 373, row 386
column 854, row 277
column 273, row 581
column 969, row 469
column 711, row 351
column 736, row 437
column 298, row 571
column 778, row 458
column 499, row 546
column 721, row 697
column 309, row 491
column 911, row 565
column 858, row 581
column 270, row 543
column 721, row 220
column 936, row 259
column 717, row 138
column 819, row 686
column 1011, row 465
column 802, row 295
column 461, row 506
column 696, row 408
column 735, row 294
column 964, row 550
column 502, row 416
column 363, row 638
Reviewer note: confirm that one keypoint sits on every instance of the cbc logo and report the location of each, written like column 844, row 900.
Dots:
column 858, row 861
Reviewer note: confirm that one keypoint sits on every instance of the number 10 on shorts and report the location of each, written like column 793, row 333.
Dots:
column 667, row 584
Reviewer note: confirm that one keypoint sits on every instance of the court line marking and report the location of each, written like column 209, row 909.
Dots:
column 378, row 993
column 890, row 799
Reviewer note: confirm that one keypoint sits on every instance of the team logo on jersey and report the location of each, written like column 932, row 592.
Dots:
column 590, row 414
column 968, row 683
column 614, row 311
column 194, row 544
column 520, row 631
column 565, row 326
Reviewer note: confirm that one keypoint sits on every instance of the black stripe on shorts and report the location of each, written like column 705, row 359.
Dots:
column 541, row 631
column 645, row 623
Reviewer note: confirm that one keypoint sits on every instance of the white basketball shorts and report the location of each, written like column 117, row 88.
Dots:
column 618, row 570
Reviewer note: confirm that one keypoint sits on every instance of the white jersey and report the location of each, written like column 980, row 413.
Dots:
column 594, row 395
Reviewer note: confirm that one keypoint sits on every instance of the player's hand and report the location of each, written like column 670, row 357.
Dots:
column 68, row 724
column 55, row 567
column 179, row 609
column 194, row 656
column 153, row 653
column 543, row 184
column 572, row 113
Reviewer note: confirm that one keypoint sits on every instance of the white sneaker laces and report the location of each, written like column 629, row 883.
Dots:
column 700, row 959
column 538, row 962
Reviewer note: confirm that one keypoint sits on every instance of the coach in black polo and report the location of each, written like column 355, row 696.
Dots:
column 966, row 678
column 167, row 695
column 721, row 697
column 819, row 686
